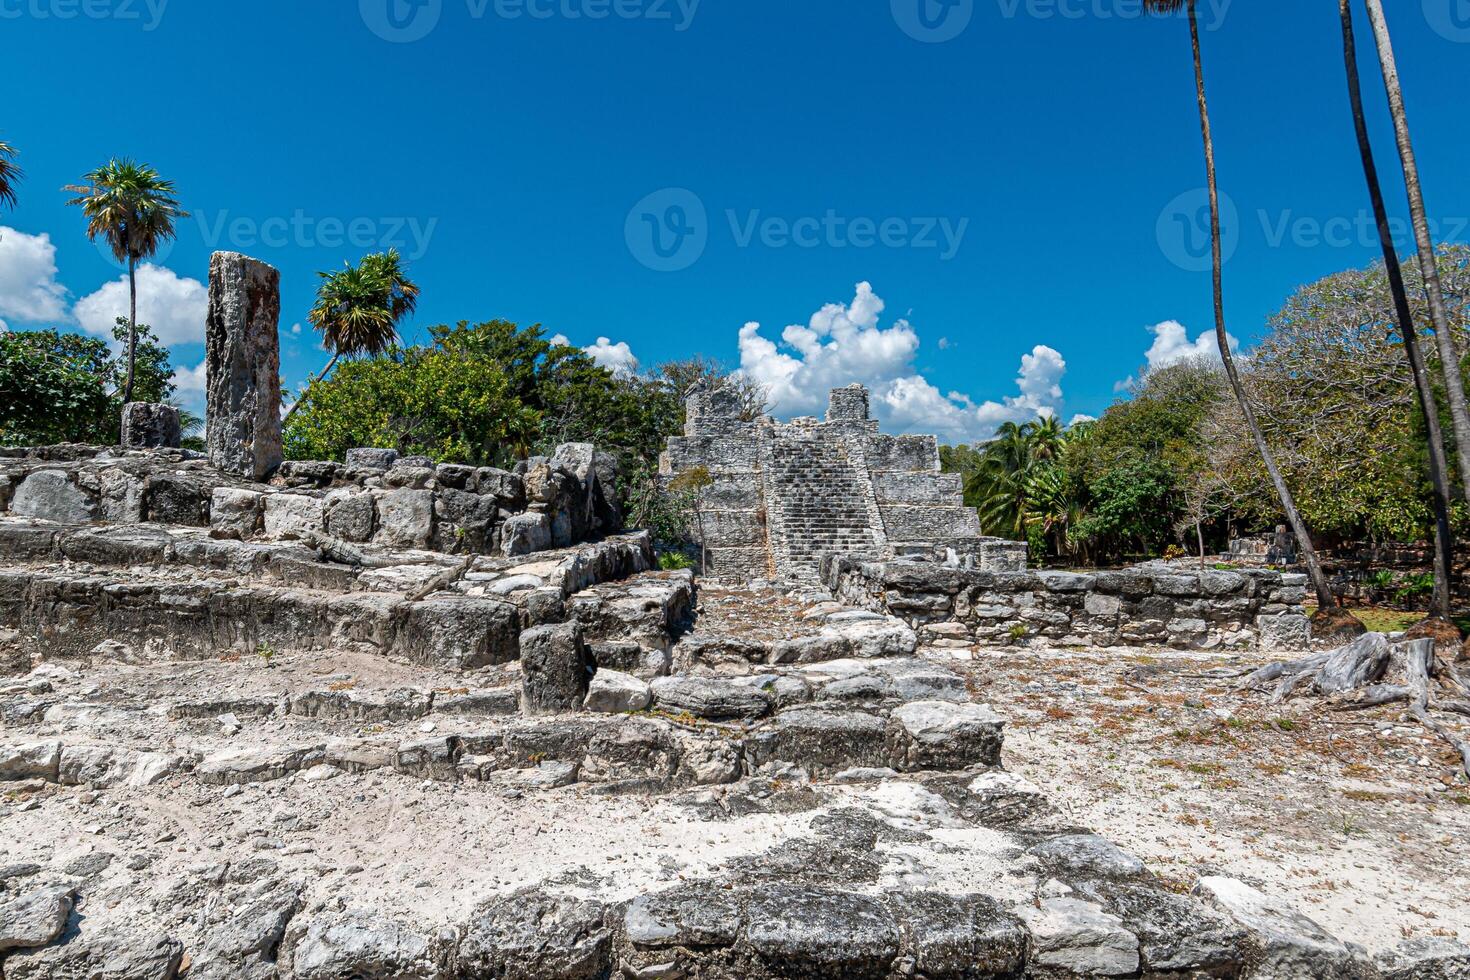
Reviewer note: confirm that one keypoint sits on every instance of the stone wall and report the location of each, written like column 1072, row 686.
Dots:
column 377, row 498
column 785, row 496
column 1147, row 605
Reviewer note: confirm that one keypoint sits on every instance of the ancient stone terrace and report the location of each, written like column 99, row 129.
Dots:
column 786, row 495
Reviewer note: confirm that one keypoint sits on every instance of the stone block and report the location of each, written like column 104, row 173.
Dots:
column 508, row 489
column 555, row 669
column 292, row 515
column 1292, row 632
column 350, row 514
column 51, row 495
column 405, row 518
column 525, row 534
column 236, row 512
column 371, row 459
column 149, row 425
column 177, row 498
column 242, row 366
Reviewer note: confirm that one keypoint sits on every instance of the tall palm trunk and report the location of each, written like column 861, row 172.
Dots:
column 1438, row 464
column 297, row 403
column 127, row 392
column 1444, row 336
column 1325, row 598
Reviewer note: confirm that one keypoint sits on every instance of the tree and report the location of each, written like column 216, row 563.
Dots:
column 64, row 387
column 1428, row 266
column 1444, row 545
column 1325, row 599
column 10, row 174
column 134, row 210
column 423, row 401
column 358, row 310
column 575, row 399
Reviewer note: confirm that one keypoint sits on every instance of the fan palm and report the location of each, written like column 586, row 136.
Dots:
column 134, row 209
column 1423, row 383
column 10, row 174
column 1325, row 598
column 358, row 309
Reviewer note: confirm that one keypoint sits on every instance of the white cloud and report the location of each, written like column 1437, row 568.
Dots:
column 559, row 340
column 296, row 329
column 617, row 358
column 190, row 385
column 1079, row 418
column 28, row 286
column 1172, row 345
column 174, row 307
column 845, row 343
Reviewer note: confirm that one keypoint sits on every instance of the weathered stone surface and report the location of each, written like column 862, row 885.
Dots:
column 149, row 425
column 52, row 496
column 371, row 459
column 821, row 741
column 1073, row 935
column 405, row 518
column 236, row 512
column 33, row 917
column 30, row 760
column 613, row 691
column 1087, row 855
column 709, row 697
column 525, row 534
column 555, row 669
column 242, row 366
column 292, row 515
column 531, row 936
column 361, row 944
column 947, row 735
column 350, row 514
column 1288, row 944
column 1426, row 958
column 1285, row 633
column 819, row 933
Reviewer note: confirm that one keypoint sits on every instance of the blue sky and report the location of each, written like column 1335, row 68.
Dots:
column 1015, row 179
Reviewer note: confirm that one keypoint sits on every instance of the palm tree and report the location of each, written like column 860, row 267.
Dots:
column 10, row 175
column 1325, row 598
column 134, row 209
column 1423, row 383
column 999, row 482
column 1443, row 334
column 1047, row 437
column 358, row 310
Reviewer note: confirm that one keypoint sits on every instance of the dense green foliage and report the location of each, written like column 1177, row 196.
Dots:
column 483, row 393
column 64, row 387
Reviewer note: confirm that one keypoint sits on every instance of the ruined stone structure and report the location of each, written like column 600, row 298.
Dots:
column 149, row 425
column 243, row 366
column 276, row 720
column 1155, row 604
column 786, row 495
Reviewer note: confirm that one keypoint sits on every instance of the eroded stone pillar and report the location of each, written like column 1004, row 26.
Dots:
column 243, row 366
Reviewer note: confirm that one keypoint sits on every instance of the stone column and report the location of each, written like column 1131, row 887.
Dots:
column 149, row 425
column 555, row 669
column 243, row 366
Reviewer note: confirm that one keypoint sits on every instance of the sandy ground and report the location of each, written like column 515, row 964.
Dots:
column 1358, row 819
